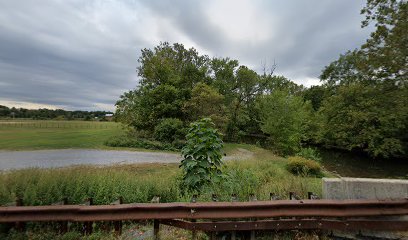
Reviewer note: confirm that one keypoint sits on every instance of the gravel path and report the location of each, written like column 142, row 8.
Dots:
column 68, row 157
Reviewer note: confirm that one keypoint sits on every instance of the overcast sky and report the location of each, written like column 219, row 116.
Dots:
column 77, row 54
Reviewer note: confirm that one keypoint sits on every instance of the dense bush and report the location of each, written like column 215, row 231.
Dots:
column 125, row 141
column 302, row 166
column 169, row 130
column 178, row 144
column 309, row 153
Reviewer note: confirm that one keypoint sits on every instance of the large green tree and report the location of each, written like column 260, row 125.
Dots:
column 387, row 48
column 366, row 98
column 205, row 101
column 179, row 83
column 364, row 117
column 285, row 118
column 167, row 74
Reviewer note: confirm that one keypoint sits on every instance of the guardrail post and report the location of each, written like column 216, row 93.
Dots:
column 233, row 235
column 194, row 232
column 87, row 228
column 273, row 196
column 213, row 235
column 63, row 224
column 156, row 222
column 312, row 196
column 234, row 198
column 19, row 225
column 156, row 229
column 293, row 196
column 252, row 198
column 118, row 224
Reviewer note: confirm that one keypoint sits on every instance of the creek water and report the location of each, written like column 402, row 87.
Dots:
column 348, row 164
column 68, row 157
column 342, row 163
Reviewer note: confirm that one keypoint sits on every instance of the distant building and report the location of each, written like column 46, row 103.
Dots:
column 109, row 116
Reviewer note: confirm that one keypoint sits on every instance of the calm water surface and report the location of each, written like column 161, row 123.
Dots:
column 68, row 157
column 342, row 163
column 354, row 165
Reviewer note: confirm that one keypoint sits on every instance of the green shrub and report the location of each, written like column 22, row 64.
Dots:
column 178, row 144
column 202, row 155
column 125, row 141
column 168, row 130
column 302, row 166
column 309, row 153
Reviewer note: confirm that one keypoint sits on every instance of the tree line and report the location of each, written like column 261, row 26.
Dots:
column 362, row 104
column 43, row 113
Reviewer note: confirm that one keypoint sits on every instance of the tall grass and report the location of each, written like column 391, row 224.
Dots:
column 136, row 183
column 261, row 175
column 140, row 182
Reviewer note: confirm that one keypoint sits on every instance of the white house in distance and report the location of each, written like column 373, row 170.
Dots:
column 109, row 116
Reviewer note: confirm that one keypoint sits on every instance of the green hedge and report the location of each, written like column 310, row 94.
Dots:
column 124, row 141
column 302, row 166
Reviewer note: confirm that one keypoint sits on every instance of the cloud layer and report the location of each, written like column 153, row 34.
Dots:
column 83, row 54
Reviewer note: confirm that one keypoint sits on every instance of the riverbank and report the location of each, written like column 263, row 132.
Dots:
column 347, row 164
column 57, row 158
column 262, row 174
column 27, row 135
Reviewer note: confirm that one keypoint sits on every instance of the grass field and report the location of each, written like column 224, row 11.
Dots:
column 27, row 135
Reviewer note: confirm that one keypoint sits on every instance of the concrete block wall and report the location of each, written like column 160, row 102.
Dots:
column 364, row 188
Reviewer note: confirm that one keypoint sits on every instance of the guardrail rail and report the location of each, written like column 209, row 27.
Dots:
column 211, row 217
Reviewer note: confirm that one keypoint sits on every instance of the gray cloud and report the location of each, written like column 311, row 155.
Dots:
column 83, row 54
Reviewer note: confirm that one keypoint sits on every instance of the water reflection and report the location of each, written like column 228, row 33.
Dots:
column 357, row 165
column 68, row 157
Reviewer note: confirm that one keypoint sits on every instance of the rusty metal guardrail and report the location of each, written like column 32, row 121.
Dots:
column 228, row 216
column 290, row 224
column 206, row 210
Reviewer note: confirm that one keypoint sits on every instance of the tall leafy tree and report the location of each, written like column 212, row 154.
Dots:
column 360, row 117
column 316, row 95
column 206, row 102
column 286, row 119
column 387, row 47
column 180, row 83
column 367, row 92
column 167, row 74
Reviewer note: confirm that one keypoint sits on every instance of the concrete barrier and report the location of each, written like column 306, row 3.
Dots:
column 366, row 188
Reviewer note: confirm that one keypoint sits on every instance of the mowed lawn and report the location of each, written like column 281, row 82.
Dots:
column 28, row 135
